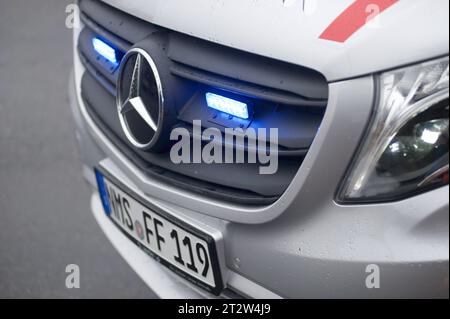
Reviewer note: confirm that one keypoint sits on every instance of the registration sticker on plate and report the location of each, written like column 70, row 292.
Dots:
column 184, row 249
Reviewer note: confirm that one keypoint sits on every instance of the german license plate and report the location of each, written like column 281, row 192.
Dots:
column 186, row 250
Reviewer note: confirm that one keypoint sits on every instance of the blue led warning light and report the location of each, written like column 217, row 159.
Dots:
column 105, row 50
column 227, row 105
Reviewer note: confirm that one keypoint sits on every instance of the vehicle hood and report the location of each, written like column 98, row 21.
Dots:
column 406, row 32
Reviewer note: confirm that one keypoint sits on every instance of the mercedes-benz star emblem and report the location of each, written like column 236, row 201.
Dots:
column 139, row 98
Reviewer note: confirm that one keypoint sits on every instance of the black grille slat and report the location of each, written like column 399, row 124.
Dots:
column 243, row 88
column 107, row 85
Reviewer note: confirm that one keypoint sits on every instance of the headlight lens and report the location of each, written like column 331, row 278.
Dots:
column 406, row 149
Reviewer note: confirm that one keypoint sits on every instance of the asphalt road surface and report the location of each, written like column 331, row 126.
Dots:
column 45, row 222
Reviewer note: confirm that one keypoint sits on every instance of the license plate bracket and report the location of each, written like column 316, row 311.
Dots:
column 191, row 253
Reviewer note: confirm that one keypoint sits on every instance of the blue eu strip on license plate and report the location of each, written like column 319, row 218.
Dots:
column 102, row 191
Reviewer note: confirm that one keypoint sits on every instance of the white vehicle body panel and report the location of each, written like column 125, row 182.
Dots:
column 291, row 34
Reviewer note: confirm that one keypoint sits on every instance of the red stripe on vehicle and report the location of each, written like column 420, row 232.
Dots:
column 354, row 18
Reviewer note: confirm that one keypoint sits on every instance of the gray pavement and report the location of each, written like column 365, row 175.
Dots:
column 45, row 222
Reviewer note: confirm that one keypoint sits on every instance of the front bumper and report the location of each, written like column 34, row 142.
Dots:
column 304, row 246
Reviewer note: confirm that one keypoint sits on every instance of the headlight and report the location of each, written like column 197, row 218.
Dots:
column 405, row 151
